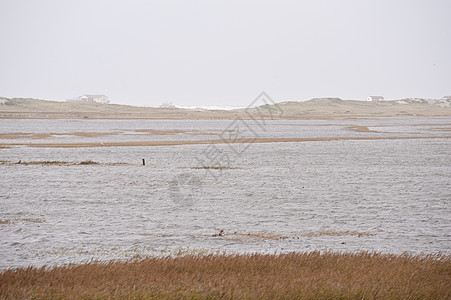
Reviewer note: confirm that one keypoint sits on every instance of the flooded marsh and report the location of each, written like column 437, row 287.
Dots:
column 375, row 184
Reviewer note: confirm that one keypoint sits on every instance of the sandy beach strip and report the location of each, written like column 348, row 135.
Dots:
column 44, row 135
column 217, row 141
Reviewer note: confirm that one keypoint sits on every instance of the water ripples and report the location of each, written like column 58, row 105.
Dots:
column 397, row 192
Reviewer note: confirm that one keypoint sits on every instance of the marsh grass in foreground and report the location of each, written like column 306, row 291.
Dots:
column 254, row 276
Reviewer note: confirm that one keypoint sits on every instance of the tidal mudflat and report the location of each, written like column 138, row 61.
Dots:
column 369, row 184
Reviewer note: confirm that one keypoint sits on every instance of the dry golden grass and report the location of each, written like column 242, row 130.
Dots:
column 286, row 276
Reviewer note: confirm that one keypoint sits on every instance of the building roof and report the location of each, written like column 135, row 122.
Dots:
column 93, row 96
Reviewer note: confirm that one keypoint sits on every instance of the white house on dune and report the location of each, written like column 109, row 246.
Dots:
column 94, row 98
column 375, row 98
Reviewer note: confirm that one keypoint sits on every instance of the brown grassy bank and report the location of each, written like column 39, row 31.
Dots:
column 60, row 163
column 288, row 276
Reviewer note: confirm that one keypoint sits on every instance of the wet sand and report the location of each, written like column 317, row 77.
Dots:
column 357, row 128
column 23, row 135
column 215, row 141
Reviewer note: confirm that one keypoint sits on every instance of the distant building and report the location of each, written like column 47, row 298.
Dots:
column 94, row 98
column 91, row 98
column 167, row 105
column 375, row 98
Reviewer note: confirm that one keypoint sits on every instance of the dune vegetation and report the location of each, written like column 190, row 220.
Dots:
column 318, row 108
column 311, row 275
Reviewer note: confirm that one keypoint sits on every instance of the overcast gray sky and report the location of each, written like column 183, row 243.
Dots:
column 224, row 52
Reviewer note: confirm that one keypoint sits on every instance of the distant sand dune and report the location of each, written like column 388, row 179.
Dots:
column 322, row 108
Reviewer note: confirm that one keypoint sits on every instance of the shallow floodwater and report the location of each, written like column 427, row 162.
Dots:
column 389, row 195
